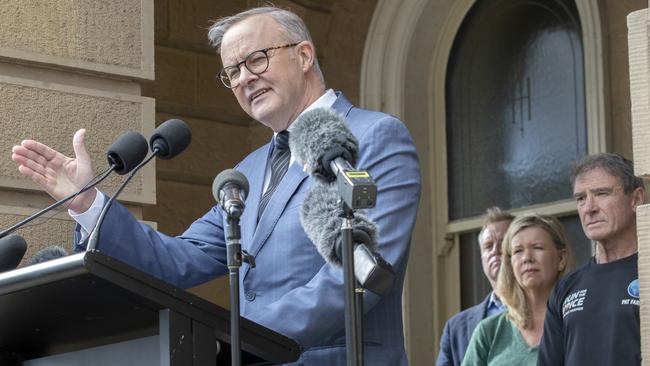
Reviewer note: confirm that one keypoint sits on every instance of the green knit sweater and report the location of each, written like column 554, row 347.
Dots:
column 497, row 341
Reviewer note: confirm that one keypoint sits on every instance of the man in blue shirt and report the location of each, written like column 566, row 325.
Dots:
column 460, row 327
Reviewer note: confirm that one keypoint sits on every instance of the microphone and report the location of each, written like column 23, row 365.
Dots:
column 47, row 254
column 230, row 188
column 170, row 139
column 317, row 133
column 12, row 250
column 321, row 141
column 167, row 140
column 127, row 151
column 321, row 218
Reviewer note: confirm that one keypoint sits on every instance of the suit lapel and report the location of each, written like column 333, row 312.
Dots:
column 284, row 191
column 342, row 105
column 480, row 315
column 256, row 180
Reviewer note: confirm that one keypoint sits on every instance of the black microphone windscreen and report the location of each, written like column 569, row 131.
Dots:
column 127, row 152
column 170, row 138
column 321, row 219
column 316, row 133
column 47, row 254
column 12, row 250
column 227, row 176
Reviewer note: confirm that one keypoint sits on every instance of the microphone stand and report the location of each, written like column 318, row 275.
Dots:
column 357, row 190
column 353, row 293
column 235, row 256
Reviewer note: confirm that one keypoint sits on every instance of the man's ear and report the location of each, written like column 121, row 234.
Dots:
column 638, row 197
column 307, row 55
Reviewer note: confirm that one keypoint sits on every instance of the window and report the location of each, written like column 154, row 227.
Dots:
column 515, row 120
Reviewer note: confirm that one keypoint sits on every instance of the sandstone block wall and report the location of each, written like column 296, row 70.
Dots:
column 643, row 227
column 113, row 37
column 66, row 65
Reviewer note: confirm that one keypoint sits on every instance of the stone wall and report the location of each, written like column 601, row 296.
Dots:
column 639, row 56
column 63, row 66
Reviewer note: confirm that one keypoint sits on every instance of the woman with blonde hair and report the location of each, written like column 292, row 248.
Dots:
column 535, row 254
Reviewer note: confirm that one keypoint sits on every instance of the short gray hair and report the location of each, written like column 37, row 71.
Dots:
column 493, row 215
column 614, row 164
column 294, row 27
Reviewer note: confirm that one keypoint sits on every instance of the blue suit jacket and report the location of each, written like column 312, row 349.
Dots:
column 458, row 330
column 292, row 290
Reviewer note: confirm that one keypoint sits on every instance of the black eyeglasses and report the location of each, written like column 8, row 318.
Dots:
column 256, row 62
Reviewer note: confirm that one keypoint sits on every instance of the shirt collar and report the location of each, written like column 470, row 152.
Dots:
column 494, row 299
column 324, row 101
column 494, row 302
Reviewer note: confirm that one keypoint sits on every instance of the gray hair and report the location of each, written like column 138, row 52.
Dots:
column 614, row 164
column 294, row 28
column 493, row 215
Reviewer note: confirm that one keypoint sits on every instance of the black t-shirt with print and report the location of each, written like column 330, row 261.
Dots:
column 593, row 317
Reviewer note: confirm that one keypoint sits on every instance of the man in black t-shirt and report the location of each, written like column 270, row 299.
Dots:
column 593, row 313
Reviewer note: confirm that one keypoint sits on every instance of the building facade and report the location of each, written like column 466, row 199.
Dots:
column 498, row 94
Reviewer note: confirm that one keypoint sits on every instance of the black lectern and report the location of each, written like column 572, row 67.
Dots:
column 89, row 308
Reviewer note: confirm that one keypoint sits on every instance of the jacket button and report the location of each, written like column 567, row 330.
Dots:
column 250, row 295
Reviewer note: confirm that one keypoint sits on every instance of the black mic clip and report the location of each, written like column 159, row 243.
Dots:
column 372, row 271
column 248, row 258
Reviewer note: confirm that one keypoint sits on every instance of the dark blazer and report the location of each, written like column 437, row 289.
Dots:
column 458, row 330
column 292, row 290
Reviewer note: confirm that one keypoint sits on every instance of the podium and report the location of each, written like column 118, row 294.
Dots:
column 89, row 308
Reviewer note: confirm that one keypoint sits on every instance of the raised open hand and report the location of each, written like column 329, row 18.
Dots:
column 56, row 173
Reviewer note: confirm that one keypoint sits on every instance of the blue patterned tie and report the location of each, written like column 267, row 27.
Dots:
column 279, row 163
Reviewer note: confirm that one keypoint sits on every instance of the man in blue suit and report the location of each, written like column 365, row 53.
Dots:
column 271, row 67
column 459, row 328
